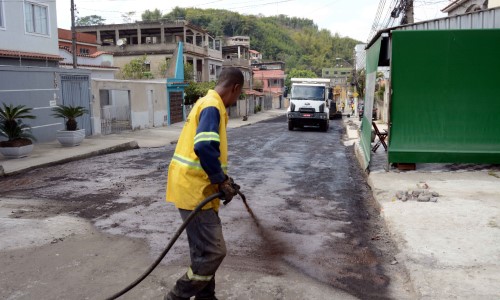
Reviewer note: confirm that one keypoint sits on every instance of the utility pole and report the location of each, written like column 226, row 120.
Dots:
column 73, row 34
column 408, row 13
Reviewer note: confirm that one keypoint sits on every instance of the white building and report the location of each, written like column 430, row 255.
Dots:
column 360, row 56
column 28, row 33
column 460, row 7
column 29, row 66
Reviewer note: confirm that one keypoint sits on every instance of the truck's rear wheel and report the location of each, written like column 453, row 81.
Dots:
column 290, row 125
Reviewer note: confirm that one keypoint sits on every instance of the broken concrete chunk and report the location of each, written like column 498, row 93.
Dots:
column 422, row 185
column 423, row 198
column 427, row 193
column 434, row 199
column 435, row 194
column 416, row 193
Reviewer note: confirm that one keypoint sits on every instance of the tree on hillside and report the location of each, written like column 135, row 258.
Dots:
column 89, row 20
column 296, row 41
column 151, row 15
column 178, row 13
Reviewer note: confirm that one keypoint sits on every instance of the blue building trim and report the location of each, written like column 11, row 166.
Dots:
column 177, row 83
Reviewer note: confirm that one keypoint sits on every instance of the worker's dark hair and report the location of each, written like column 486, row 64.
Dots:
column 230, row 76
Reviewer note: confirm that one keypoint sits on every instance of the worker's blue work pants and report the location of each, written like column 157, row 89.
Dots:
column 207, row 249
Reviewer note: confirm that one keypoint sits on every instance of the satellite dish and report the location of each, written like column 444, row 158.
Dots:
column 120, row 43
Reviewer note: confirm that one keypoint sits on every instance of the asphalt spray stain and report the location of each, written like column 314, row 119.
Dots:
column 273, row 246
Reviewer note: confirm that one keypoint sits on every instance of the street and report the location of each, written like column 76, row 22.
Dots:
column 85, row 229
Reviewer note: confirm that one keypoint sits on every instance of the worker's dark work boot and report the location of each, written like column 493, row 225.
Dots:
column 172, row 296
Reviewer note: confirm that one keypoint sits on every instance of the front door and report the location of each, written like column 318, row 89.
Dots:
column 176, row 109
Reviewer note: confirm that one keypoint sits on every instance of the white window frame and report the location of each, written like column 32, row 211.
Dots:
column 2, row 15
column 33, row 18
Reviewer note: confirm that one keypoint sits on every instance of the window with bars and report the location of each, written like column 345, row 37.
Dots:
column 36, row 18
column 274, row 82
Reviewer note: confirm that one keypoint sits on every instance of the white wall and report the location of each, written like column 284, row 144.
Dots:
column 15, row 30
column 493, row 3
column 103, row 73
column 360, row 53
column 131, row 97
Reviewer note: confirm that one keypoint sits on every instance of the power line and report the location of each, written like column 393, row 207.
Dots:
column 380, row 9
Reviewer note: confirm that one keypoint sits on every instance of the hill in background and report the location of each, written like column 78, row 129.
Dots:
column 296, row 41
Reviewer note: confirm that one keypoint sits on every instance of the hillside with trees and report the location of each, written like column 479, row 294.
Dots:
column 296, row 41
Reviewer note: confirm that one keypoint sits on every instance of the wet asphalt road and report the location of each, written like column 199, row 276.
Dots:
column 315, row 209
column 315, row 201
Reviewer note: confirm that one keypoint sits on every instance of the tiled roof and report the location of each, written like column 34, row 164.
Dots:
column 90, row 66
column 452, row 5
column 258, row 74
column 32, row 55
column 254, row 92
column 81, row 37
column 98, row 53
column 93, row 55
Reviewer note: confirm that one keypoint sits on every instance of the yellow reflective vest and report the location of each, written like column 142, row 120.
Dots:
column 187, row 183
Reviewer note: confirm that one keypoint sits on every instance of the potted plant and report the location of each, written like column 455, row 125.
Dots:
column 19, row 138
column 71, row 136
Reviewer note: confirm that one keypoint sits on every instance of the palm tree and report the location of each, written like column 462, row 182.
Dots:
column 70, row 113
column 11, row 124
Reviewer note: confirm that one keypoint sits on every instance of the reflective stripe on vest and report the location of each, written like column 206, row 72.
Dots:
column 197, row 277
column 193, row 164
column 206, row 136
column 190, row 163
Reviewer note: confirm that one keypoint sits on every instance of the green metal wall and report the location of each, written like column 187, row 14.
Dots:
column 445, row 105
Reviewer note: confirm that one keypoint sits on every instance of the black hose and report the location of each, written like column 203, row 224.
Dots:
column 172, row 241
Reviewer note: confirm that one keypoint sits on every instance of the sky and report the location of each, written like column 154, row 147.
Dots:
column 352, row 18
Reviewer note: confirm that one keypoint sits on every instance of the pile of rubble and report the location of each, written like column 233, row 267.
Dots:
column 421, row 194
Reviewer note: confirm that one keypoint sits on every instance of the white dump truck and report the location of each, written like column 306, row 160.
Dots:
column 310, row 103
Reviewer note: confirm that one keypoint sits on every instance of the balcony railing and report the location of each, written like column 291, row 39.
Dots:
column 168, row 47
column 236, row 62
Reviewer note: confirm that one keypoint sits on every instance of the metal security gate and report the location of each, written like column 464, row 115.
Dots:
column 115, row 111
column 75, row 91
column 176, row 111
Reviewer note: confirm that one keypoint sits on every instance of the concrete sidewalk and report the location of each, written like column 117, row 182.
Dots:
column 45, row 154
column 451, row 247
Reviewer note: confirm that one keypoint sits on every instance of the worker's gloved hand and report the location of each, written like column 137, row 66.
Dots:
column 229, row 188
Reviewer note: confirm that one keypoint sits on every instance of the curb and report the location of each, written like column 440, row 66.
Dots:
column 118, row 148
column 400, row 255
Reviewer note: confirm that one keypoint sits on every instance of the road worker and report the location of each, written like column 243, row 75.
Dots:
column 198, row 169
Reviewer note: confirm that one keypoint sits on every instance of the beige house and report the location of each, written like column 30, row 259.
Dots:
column 158, row 41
